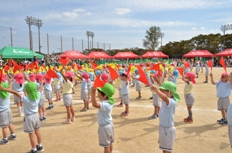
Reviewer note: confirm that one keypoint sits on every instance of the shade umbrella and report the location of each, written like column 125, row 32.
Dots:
column 226, row 52
column 73, row 54
column 99, row 55
column 18, row 52
column 154, row 54
column 198, row 53
column 126, row 55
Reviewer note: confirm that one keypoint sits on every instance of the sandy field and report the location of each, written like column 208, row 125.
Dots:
column 135, row 133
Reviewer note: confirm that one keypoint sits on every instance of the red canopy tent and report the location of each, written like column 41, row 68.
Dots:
column 226, row 52
column 73, row 54
column 99, row 55
column 154, row 54
column 198, row 53
column 126, row 55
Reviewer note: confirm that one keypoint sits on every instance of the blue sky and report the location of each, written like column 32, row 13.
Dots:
column 121, row 23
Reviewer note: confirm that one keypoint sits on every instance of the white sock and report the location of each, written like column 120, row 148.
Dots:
column 40, row 115
column 44, row 114
column 20, row 110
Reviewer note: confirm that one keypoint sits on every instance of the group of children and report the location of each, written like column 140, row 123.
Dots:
column 30, row 97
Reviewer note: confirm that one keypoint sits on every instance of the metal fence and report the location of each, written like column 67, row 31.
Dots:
column 48, row 43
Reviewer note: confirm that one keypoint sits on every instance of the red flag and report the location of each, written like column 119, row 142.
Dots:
column 180, row 70
column 129, row 69
column 98, row 83
column 210, row 64
column 73, row 65
column 142, row 77
column 6, row 67
column 113, row 73
column 94, row 65
column 16, row 66
column 65, row 61
column 51, row 74
column 160, row 73
column 44, row 67
column 36, row 65
column 222, row 62
column 155, row 67
column 186, row 64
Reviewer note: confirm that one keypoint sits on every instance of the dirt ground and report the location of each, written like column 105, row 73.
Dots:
column 135, row 133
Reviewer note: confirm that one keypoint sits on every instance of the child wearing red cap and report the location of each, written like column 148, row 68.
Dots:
column 67, row 96
column 6, row 114
column 18, row 86
column 42, row 112
column 223, row 88
column 48, row 92
column 125, row 94
column 106, row 128
column 189, row 78
column 84, row 90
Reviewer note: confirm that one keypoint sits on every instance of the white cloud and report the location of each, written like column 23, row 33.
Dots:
column 193, row 28
column 122, row 11
column 202, row 28
column 79, row 10
column 88, row 13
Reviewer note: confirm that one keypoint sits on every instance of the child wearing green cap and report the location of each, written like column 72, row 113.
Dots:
column 31, row 120
column 106, row 128
column 6, row 115
column 167, row 131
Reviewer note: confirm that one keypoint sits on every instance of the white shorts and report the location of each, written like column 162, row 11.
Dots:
column 67, row 99
column 5, row 118
column 56, row 89
column 125, row 98
column 84, row 94
column 155, row 100
column 223, row 103
column 41, row 101
column 167, row 137
column 16, row 98
column 189, row 99
column 48, row 94
column 106, row 135
column 138, row 86
column 31, row 123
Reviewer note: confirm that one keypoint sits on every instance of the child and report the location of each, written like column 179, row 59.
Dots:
column 57, row 86
column 137, row 84
column 223, row 92
column 67, row 96
column 84, row 90
column 206, row 72
column 18, row 86
column 125, row 94
column 188, row 96
column 229, row 119
column 42, row 113
column 172, row 77
column 120, row 89
column 157, row 82
column 197, row 68
column 5, row 113
column 167, row 131
column 48, row 92
column 31, row 122
column 106, row 128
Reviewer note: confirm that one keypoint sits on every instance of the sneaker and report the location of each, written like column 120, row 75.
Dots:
column 32, row 151
column 39, row 148
column 73, row 119
column 185, row 119
column 205, row 81
column 83, row 110
column 151, row 98
column 139, row 97
column 3, row 141
column 67, row 122
column 188, row 121
column 223, row 122
column 220, row 120
column 41, row 119
column 157, row 115
column 11, row 137
column 152, row 117
column 49, row 107
column 44, row 118
column 87, row 108
column 123, row 114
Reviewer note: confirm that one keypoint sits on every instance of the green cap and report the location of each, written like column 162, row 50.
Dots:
column 109, row 91
column 31, row 89
column 170, row 86
column 4, row 94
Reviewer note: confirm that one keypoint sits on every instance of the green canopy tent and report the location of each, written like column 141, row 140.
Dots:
column 17, row 52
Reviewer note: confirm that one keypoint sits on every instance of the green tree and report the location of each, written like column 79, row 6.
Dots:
column 151, row 39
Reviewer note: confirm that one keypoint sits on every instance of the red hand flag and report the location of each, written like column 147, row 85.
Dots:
column 113, row 73
column 142, row 77
column 155, row 67
column 180, row 70
column 94, row 65
column 51, row 74
column 98, row 83
column 186, row 64
column 222, row 62
column 210, row 64
column 65, row 61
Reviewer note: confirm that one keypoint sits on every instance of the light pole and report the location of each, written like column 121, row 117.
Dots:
column 37, row 22
column 90, row 34
column 225, row 28
column 159, row 35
